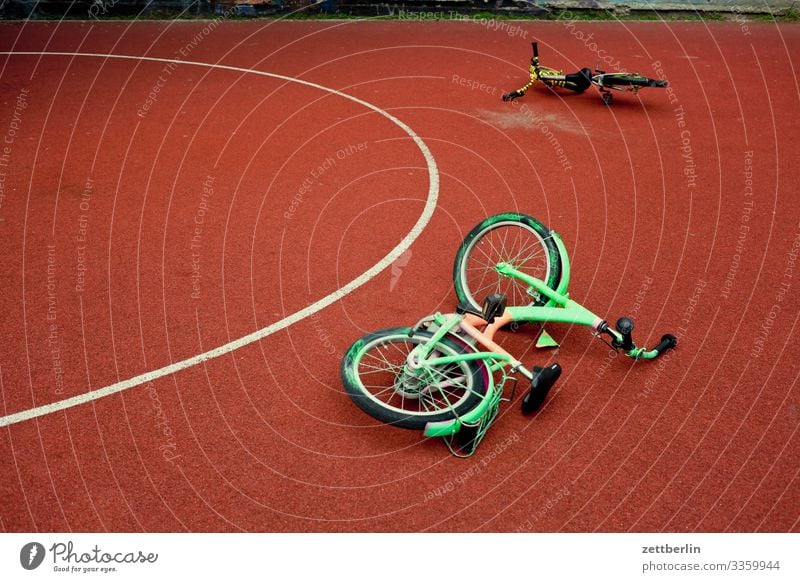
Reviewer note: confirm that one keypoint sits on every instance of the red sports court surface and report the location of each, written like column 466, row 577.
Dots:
column 156, row 209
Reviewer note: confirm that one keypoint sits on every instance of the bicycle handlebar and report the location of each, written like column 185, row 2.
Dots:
column 668, row 342
column 622, row 339
column 625, row 329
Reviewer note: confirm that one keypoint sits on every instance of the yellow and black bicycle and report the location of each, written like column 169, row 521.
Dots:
column 583, row 79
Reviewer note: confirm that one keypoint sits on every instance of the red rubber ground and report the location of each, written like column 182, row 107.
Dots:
column 679, row 209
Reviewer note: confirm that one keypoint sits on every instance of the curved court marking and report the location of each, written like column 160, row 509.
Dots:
column 416, row 230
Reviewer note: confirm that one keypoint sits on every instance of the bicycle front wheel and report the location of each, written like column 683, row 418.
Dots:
column 517, row 239
column 377, row 378
column 630, row 80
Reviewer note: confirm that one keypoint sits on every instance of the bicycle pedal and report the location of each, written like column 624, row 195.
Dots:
column 543, row 380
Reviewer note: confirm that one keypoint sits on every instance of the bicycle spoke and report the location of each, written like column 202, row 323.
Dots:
column 480, row 284
column 403, row 354
column 520, row 256
column 385, row 390
column 514, row 289
column 379, row 371
column 503, row 243
column 442, row 398
column 423, row 404
column 489, row 260
column 538, row 245
column 384, row 360
column 487, row 239
column 520, row 243
column 491, row 284
column 498, row 253
column 464, row 387
column 390, row 365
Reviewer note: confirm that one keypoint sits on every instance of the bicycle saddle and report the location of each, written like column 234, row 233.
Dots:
column 580, row 81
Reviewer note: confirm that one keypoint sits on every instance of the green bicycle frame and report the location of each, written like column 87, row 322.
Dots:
column 568, row 311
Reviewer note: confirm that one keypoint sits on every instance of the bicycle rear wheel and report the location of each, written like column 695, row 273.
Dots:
column 376, row 376
column 517, row 239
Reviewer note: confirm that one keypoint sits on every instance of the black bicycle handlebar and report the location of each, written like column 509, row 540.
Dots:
column 535, row 57
column 668, row 341
column 624, row 339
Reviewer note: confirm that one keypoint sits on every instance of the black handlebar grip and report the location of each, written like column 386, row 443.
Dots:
column 535, row 46
column 668, row 342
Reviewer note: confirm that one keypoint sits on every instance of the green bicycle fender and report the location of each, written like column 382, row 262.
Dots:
column 442, row 428
column 565, row 269
column 563, row 283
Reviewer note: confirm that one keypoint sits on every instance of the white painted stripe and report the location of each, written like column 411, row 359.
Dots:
column 422, row 222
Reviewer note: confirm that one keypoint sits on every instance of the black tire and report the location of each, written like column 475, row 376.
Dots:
column 413, row 402
column 544, row 261
column 628, row 80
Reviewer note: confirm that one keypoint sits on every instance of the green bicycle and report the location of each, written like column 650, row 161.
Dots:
column 446, row 374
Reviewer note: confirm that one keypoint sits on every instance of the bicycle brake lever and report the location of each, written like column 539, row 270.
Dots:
column 599, row 336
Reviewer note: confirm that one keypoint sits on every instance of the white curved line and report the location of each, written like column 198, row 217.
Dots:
column 416, row 230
